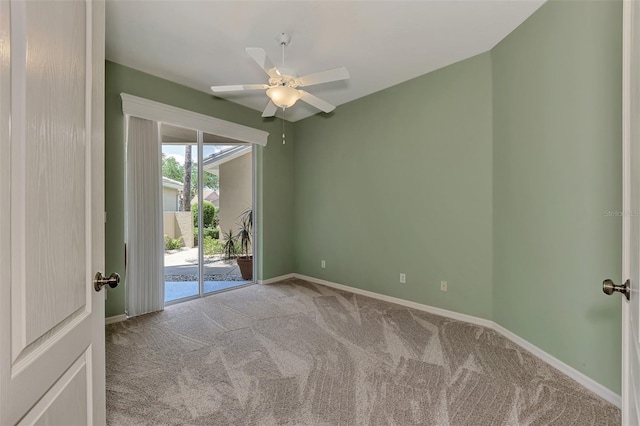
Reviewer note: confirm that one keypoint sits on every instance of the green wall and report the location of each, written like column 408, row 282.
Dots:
column 401, row 181
column 493, row 174
column 275, row 170
column 557, row 169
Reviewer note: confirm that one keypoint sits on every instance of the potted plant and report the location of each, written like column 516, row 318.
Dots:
column 245, row 261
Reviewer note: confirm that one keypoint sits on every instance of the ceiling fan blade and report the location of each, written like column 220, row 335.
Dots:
column 258, row 54
column 270, row 110
column 316, row 102
column 239, row 87
column 335, row 74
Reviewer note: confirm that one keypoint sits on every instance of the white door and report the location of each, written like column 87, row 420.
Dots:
column 631, row 221
column 51, row 212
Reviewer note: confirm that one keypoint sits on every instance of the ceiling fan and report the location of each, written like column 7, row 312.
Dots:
column 282, row 89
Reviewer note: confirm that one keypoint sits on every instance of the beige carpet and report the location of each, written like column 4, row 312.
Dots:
column 296, row 353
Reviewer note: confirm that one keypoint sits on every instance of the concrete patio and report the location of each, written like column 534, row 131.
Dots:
column 181, row 274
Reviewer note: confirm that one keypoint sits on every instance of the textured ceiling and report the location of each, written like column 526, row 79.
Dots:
column 382, row 43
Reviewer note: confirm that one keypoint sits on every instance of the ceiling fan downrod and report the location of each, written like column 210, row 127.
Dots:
column 284, row 40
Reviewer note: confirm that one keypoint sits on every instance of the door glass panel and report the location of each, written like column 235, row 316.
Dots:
column 179, row 181
column 228, row 185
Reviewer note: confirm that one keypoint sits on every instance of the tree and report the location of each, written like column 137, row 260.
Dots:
column 210, row 181
column 188, row 175
column 186, row 189
column 172, row 169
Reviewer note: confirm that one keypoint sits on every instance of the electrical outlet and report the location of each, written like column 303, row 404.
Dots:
column 323, row 264
column 403, row 278
column 443, row 286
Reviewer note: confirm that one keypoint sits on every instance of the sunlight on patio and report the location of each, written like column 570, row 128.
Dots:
column 181, row 274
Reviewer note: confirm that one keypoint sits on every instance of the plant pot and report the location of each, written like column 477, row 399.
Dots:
column 246, row 267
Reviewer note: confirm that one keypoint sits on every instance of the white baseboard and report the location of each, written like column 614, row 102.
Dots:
column 114, row 319
column 587, row 382
column 276, row 279
column 419, row 306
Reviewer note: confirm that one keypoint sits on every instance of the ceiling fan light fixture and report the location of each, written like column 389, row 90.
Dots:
column 283, row 96
column 283, row 83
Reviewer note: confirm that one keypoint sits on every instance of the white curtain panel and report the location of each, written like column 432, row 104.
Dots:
column 145, row 245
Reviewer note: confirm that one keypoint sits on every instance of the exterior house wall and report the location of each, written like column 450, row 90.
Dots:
column 184, row 227
column 169, row 199
column 179, row 224
column 169, row 224
column 235, row 191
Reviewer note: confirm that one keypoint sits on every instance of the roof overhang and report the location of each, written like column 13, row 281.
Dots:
column 212, row 163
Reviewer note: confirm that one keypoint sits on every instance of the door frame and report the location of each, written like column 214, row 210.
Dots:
column 629, row 399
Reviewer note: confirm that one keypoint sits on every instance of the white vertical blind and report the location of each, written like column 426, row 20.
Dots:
column 145, row 245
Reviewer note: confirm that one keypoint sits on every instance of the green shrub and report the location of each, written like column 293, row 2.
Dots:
column 212, row 246
column 216, row 219
column 208, row 214
column 172, row 244
column 208, row 232
column 212, row 232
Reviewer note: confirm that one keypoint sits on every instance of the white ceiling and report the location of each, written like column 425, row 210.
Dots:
column 382, row 43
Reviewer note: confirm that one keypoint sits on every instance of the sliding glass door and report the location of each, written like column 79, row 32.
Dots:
column 208, row 197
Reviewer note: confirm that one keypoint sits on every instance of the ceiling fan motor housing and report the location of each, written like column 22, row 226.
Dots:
column 283, row 39
column 286, row 79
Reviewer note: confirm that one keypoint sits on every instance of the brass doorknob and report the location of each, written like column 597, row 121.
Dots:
column 99, row 281
column 609, row 288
